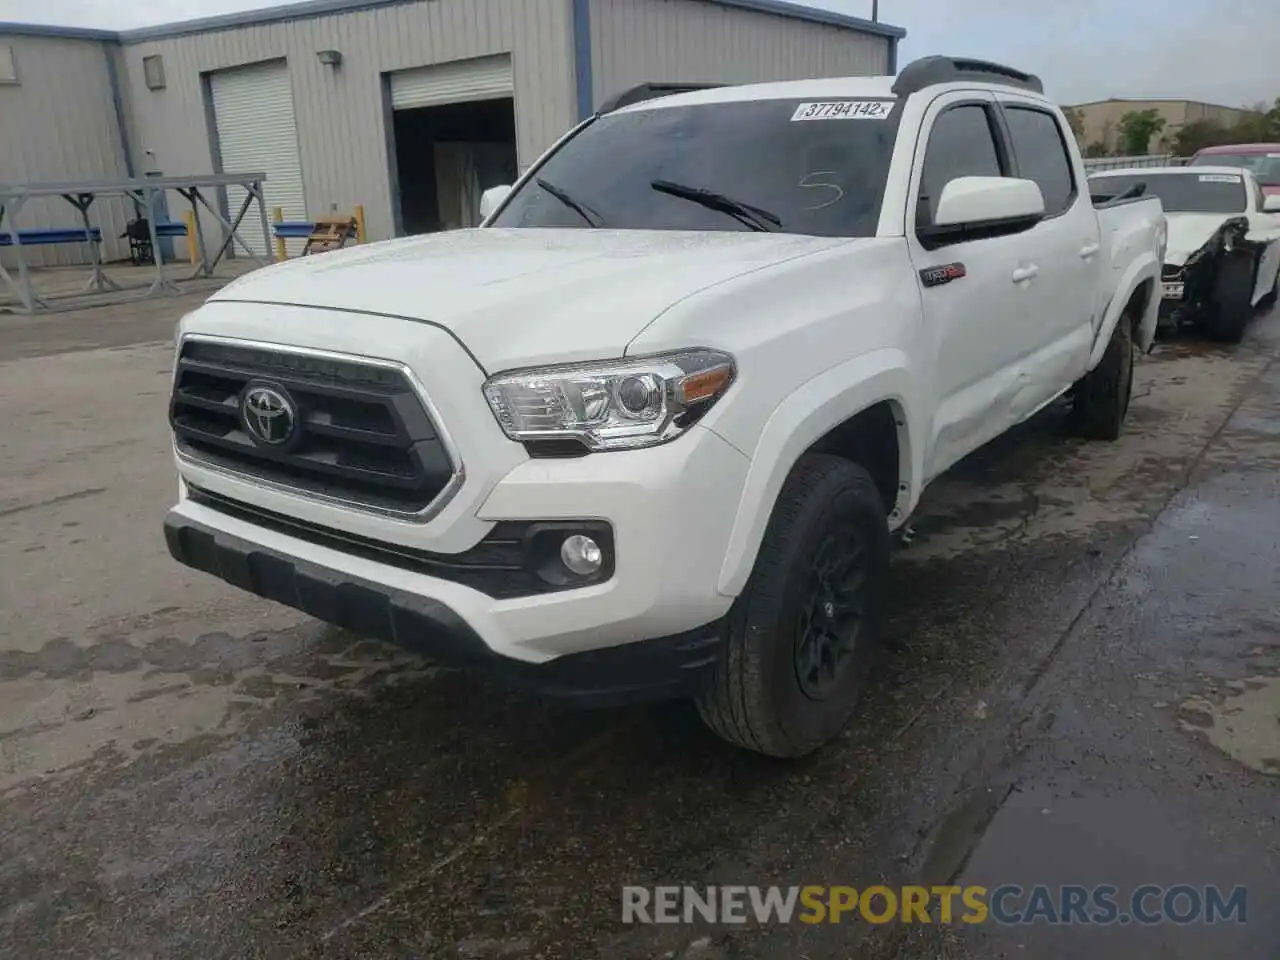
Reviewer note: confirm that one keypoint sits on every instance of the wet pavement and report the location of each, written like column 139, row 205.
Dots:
column 1089, row 695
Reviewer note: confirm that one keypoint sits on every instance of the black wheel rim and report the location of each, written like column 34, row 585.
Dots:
column 831, row 612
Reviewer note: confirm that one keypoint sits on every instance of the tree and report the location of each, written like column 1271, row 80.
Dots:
column 1137, row 127
column 1263, row 123
column 1254, row 127
column 1096, row 149
column 1198, row 135
column 1260, row 125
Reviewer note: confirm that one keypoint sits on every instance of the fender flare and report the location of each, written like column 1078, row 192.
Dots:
column 1144, row 269
column 800, row 420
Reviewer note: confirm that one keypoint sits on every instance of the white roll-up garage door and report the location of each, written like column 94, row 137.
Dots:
column 484, row 78
column 257, row 132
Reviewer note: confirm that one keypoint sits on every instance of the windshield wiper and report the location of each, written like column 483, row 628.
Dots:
column 581, row 209
column 757, row 219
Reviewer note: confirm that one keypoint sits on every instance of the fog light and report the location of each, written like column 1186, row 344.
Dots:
column 581, row 555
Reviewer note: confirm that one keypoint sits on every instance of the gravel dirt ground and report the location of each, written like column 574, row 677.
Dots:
column 1089, row 694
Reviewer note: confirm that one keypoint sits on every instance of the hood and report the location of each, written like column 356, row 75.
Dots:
column 1188, row 232
column 525, row 297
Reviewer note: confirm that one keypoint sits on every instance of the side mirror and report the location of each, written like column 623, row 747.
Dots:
column 973, row 207
column 492, row 199
column 1271, row 203
column 980, row 200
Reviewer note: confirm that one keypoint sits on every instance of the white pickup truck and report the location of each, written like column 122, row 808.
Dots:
column 647, row 431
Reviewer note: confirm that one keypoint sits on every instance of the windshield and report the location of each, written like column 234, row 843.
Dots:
column 1181, row 192
column 1265, row 166
column 759, row 165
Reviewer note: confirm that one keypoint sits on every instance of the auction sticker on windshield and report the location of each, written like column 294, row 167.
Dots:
column 844, row 110
column 1218, row 178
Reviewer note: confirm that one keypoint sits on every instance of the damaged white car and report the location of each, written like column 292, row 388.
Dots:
column 1223, row 257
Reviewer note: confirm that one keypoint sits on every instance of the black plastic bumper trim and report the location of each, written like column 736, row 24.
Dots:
column 516, row 559
column 665, row 668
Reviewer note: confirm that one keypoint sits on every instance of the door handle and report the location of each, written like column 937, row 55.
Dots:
column 1088, row 250
column 1025, row 273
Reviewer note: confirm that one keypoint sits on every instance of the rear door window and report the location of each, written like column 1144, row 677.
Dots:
column 1041, row 153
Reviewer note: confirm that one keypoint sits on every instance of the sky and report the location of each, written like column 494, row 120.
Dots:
column 1220, row 51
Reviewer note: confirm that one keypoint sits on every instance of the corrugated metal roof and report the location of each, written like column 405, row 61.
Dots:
column 320, row 8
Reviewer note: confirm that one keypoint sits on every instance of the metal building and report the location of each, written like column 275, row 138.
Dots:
column 61, row 119
column 407, row 107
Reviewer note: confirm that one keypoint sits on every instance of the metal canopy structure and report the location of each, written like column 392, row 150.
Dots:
column 82, row 195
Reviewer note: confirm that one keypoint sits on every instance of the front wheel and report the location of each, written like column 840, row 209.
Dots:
column 801, row 634
column 1101, row 400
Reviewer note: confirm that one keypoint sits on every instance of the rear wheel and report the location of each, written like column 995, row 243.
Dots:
column 1230, row 306
column 1100, row 402
column 801, row 633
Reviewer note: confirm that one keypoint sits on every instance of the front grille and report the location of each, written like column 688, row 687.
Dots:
column 359, row 431
column 1169, row 272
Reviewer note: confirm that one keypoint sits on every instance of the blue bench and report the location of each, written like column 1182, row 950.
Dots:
column 293, row 229
column 34, row 238
column 171, row 229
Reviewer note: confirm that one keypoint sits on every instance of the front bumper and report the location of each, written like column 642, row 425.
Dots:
column 658, row 668
column 669, row 510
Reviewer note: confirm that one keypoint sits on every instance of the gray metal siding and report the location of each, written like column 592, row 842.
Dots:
column 340, row 113
column 634, row 41
column 59, row 123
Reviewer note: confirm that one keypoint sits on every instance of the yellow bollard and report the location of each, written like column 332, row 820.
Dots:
column 193, row 238
column 277, row 215
column 359, row 214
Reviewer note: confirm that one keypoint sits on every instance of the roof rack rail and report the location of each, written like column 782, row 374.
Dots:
column 928, row 71
column 651, row 91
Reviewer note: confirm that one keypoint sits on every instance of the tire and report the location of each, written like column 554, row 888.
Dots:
column 1230, row 307
column 772, row 691
column 1100, row 402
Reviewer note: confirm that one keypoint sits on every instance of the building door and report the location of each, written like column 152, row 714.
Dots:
column 257, row 133
column 454, row 133
column 460, row 81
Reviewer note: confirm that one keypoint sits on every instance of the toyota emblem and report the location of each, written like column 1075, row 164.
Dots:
column 269, row 415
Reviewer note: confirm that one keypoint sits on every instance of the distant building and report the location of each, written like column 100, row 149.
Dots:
column 1101, row 119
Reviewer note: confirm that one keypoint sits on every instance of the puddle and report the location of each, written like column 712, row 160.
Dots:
column 1243, row 722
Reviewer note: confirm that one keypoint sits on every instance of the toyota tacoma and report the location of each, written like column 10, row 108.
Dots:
column 647, row 431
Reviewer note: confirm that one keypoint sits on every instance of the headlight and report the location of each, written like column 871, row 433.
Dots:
column 611, row 406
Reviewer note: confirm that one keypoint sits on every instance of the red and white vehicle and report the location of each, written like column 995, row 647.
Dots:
column 1260, row 159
